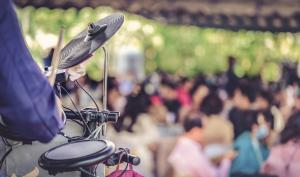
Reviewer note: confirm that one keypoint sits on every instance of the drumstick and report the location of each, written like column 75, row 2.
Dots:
column 56, row 57
column 34, row 173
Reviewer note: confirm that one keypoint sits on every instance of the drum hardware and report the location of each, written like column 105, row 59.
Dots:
column 93, row 30
column 77, row 51
column 125, row 157
column 92, row 115
column 62, row 76
column 78, row 85
column 121, row 156
column 89, row 40
column 5, row 154
column 79, row 115
column 75, row 155
column 82, row 153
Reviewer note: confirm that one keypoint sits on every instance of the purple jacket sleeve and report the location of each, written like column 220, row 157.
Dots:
column 27, row 101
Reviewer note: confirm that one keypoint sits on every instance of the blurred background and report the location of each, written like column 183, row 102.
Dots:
column 232, row 64
column 190, row 49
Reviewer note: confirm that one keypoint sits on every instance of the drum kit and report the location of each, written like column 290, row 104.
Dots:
column 82, row 153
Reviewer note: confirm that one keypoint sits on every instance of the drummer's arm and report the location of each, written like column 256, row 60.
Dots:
column 27, row 101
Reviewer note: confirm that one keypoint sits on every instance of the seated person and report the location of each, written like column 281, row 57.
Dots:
column 188, row 159
column 251, row 148
column 240, row 113
column 284, row 159
column 169, row 97
column 218, row 130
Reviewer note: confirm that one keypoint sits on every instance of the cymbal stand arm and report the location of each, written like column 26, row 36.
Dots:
column 105, row 77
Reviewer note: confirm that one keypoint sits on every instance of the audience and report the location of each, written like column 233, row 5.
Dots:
column 188, row 158
column 218, row 130
column 284, row 159
column 241, row 112
column 169, row 97
column 210, row 125
column 251, row 148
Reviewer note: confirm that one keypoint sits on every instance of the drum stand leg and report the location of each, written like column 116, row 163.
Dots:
column 94, row 126
column 89, row 170
column 105, row 77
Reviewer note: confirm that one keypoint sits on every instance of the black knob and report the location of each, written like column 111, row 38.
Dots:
column 91, row 26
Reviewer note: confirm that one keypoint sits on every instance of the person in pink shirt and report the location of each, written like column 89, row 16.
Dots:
column 188, row 159
column 284, row 159
column 184, row 96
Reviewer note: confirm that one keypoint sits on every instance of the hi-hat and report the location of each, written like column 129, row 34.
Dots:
column 88, row 41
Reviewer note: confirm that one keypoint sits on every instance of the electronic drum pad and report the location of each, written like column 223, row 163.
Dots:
column 88, row 41
column 77, row 154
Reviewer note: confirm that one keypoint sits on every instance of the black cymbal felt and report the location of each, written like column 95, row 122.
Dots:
column 88, row 41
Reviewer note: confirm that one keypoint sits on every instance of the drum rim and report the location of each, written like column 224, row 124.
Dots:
column 74, row 142
column 74, row 164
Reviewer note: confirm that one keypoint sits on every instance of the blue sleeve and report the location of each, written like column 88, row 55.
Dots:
column 265, row 151
column 27, row 101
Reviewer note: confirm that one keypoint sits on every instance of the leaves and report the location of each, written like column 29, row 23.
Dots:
column 175, row 48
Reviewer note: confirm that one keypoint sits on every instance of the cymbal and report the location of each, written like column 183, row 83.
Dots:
column 88, row 41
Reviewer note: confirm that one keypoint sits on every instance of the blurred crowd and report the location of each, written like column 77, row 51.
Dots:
column 207, row 126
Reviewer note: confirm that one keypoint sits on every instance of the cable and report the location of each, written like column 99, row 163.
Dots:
column 70, row 138
column 87, row 172
column 95, row 134
column 77, row 83
column 6, row 142
column 79, row 123
column 96, row 166
column 74, row 113
column 4, row 157
column 123, row 172
column 80, row 115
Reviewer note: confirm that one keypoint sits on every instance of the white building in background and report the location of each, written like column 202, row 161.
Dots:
column 130, row 63
column 130, row 67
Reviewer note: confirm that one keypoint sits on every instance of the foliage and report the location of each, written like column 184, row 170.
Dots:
column 178, row 49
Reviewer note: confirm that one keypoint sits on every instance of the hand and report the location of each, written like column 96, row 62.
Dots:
column 230, row 155
column 76, row 72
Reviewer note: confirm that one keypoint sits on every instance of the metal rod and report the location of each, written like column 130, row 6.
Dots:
column 105, row 76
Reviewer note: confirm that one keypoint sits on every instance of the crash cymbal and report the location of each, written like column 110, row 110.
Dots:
column 88, row 41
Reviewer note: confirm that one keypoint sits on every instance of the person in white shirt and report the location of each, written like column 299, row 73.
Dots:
column 188, row 158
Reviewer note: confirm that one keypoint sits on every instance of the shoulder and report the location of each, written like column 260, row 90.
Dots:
column 185, row 148
column 243, row 139
column 244, row 136
column 281, row 150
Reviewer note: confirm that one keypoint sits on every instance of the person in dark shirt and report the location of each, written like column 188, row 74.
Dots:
column 169, row 95
column 241, row 113
column 263, row 104
column 232, row 79
column 28, row 104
